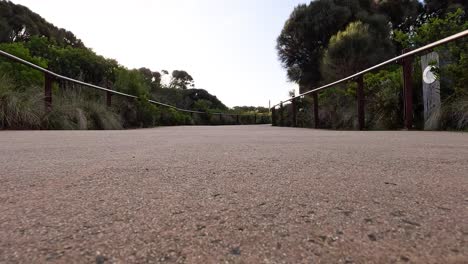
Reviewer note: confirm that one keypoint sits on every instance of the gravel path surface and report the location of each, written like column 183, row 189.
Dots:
column 236, row 194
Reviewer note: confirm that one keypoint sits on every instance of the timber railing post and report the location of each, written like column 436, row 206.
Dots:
column 109, row 99
column 408, row 90
column 281, row 114
column 255, row 119
column 237, row 119
column 109, row 94
column 316, row 111
column 294, row 112
column 273, row 116
column 361, row 103
column 48, row 92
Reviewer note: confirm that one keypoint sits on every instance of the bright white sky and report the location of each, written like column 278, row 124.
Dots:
column 228, row 46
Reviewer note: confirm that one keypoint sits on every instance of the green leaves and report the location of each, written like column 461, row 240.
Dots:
column 353, row 50
column 181, row 80
column 21, row 74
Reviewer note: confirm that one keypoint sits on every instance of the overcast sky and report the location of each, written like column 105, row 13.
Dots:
column 228, row 46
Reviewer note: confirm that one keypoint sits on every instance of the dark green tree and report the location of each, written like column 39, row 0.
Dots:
column 353, row 50
column 307, row 32
column 441, row 7
column 402, row 13
column 181, row 80
column 153, row 79
column 18, row 23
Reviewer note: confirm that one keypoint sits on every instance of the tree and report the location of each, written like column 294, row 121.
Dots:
column 353, row 50
column 402, row 13
column 131, row 82
column 18, row 23
column 441, row 7
column 304, row 37
column 22, row 75
column 153, row 79
column 181, row 80
column 307, row 32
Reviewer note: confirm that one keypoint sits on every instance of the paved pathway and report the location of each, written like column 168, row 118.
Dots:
column 240, row 194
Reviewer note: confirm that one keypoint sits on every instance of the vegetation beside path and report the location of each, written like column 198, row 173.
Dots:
column 27, row 35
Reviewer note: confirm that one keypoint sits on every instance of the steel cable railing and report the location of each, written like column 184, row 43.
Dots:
column 405, row 59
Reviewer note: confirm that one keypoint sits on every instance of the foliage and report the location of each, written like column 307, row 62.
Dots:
column 384, row 99
column 25, row 34
column 403, row 14
column 152, row 79
column 19, row 108
column 71, row 110
column 309, row 29
column 21, row 74
column 251, row 109
column 442, row 7
column 181, row 80
column 18, row 23
column 130, row 82
column 353, row 50
column 366, row 34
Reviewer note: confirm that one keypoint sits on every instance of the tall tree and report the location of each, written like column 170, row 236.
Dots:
column 153, row 79
column 354, row 49
column 18, row 23
column 307, row 32
column 402, row 13
column 181, row 80
column 441, row 7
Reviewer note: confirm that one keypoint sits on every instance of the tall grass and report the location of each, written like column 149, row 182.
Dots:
column 20, row 108
column 23, row 108
column 72, row 109
column 453, row 114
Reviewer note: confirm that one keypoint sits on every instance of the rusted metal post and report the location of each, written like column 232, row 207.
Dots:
column 316, row 111
column 408, row 90
column 281, row 114
column 361, row 103
column 48, row 91
column 294, row 112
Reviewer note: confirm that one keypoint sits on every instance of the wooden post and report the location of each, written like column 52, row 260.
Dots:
column 255, row 119
column 294, row 112
column 431, row 89
column 281, row 114
column 408, row 90
column 237, row 120
column 108, row 94
column 109, row 99
column 273, row 116
column 361, row 103
column 316, row 111
column 48, row 92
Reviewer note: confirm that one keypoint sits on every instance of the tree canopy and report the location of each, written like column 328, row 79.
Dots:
column 18, row 23
column 181, row 80
column 307, row 33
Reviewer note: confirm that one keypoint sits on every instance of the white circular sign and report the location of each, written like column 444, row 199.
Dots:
column 428, row 75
